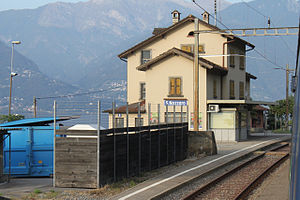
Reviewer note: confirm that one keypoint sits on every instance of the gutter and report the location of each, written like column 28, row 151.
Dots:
column 123, row 59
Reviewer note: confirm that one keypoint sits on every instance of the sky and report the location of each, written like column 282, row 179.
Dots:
column 21, row 4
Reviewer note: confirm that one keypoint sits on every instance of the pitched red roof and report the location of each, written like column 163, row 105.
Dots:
column 163, row 31
column 258, row 107
column 174, row 51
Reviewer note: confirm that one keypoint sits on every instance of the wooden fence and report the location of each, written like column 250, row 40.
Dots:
column 123, row 152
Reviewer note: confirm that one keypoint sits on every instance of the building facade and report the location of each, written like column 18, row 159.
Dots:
column 160, row 72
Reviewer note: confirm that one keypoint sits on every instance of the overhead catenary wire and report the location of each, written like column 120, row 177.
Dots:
column 194, row 1
column 259, row 53
column 269, row 22
column 80, row 94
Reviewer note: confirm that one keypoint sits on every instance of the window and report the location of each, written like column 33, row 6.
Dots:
column 215, row 89
column 242, row 89
column 142, row 91
column 175, row 87
column 169, row 117
column 145, row 56
column 231, row 89
column 190, row 48
column 139, row 122
column 231, row 58
column 242, row 62
column 119, row 122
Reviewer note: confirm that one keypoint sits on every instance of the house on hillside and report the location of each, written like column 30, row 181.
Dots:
column 160, row 71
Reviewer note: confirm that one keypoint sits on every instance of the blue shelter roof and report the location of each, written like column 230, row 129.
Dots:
column 35, row 121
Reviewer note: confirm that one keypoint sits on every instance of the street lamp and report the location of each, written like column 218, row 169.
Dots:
column 12, row 74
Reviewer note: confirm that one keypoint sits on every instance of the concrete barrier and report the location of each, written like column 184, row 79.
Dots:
column 201, row 143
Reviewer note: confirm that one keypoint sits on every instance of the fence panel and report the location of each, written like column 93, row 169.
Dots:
column 119, row 152
column 76, row 162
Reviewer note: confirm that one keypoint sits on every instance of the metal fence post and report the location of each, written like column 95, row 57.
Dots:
column 158, row 121
column 98, row 144
column 167, row 122
column 54, row 136
column 127, row 132
column 149, row 131
column 9, row 155
column 114, row 132
column 140, row 137
column 187, row 115
column 181, row 120
column 174, row 134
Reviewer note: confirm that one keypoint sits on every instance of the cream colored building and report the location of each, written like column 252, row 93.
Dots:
column 160, row 71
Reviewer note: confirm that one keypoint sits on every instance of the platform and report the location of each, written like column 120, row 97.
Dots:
column 227, row 152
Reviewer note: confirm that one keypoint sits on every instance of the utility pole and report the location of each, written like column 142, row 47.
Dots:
column 215, row 12
column 287, row 97
column 196, row 76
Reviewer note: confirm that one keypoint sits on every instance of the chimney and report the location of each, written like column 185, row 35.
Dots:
column 175, row 16
column 206, row 17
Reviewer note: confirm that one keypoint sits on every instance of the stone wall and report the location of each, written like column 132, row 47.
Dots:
column 201, row 143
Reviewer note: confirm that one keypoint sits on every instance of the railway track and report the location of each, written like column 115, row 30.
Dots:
column 238, row 182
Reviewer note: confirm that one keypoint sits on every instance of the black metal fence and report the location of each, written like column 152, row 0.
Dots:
column 116, row 154
column 126, row 152
column 129, row 147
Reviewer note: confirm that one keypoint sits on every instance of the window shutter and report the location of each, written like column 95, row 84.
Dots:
column 242, row 94
column 231, row 58
column 201, row 49
column 172, row 86
column 242, row 62
column 187, row 48
column 178, row 86
column 231, row 90
column 215, row 89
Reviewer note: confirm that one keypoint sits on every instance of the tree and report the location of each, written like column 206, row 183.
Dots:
column 279, row 110
column 11, row 117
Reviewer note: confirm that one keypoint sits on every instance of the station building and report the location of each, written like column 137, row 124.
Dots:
column 160, row 71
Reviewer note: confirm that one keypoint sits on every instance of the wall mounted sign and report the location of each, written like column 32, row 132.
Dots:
column 175, row 102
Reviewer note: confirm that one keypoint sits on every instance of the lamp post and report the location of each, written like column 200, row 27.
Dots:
column 12, row 74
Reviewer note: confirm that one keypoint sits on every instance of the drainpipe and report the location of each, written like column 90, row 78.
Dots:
column 223, row 65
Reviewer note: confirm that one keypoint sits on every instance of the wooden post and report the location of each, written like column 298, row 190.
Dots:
column 34, row 106
column 196, row 76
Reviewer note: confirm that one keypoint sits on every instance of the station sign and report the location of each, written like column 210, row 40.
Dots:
column 175, row 102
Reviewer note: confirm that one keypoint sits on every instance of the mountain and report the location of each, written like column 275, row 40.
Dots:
column 28, row 83
column 73, row 41
column 78, row 43
column 271, row 82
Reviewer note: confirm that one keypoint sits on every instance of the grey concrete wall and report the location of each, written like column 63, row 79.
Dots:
column 201, row 143
column 226, row 135
column 230, row 135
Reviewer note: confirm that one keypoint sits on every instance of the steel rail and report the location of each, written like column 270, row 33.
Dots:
column 245, row 191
